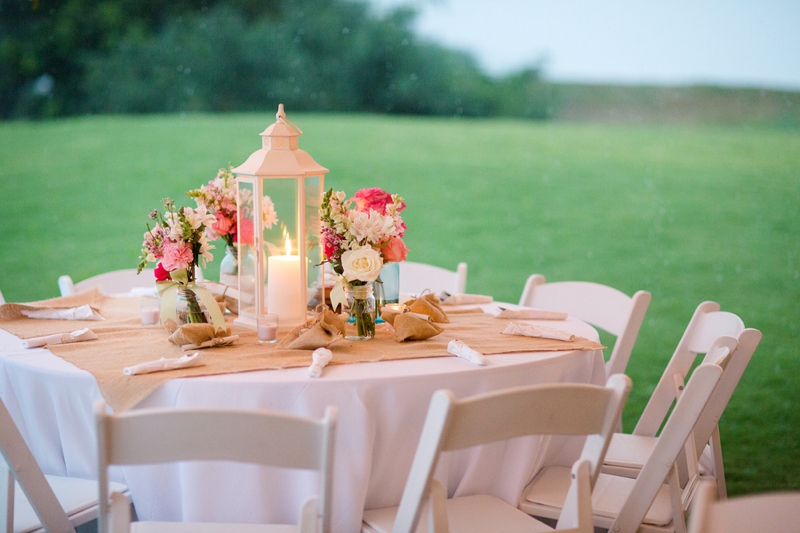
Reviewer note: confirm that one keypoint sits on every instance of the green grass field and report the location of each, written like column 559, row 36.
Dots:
column 690, row 213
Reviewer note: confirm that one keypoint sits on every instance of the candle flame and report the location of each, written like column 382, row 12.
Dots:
column 288, row 246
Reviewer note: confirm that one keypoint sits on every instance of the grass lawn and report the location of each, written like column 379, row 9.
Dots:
column 690, row 213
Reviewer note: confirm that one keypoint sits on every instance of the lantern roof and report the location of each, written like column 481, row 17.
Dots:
column 279, row 156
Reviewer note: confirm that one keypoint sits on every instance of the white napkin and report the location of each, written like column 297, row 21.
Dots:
column 60, row 338
column 321, row 357
column 82, row 312
column 538, row 331
column 164, row 364
column 531, row 314
column 466, row 299
column 460, row 349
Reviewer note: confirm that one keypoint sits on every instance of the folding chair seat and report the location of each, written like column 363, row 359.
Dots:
column 151, row 436
column 628, row 452
column 418, row 277
column 776, row 512
column 115, row 282
column 451, row 424
column 31, row 501
column 647, row 503
column 600, row 305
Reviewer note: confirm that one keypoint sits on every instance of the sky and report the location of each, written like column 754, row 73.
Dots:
column 678, row 42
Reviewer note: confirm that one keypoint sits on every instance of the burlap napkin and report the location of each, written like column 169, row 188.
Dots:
column 428, row 305
column 320, row 332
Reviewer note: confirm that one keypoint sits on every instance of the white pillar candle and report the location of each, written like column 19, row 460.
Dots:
column 284, row 296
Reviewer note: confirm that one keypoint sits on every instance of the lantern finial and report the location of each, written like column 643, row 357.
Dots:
column 281, row 114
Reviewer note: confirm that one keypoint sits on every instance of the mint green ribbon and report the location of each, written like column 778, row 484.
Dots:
column 168, row 291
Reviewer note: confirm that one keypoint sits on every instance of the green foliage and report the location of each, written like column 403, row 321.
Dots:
column 145, row 57
column 690, row 213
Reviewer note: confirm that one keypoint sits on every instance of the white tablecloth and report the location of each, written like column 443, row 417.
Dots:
column 382, row 407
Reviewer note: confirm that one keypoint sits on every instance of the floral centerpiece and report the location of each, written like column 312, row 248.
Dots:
column 177, row 242
column 359, row 235
column 218, row 197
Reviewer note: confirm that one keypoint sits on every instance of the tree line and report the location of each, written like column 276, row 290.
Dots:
column 71, row 57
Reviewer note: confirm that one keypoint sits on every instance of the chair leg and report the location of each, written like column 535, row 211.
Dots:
column 719, row 467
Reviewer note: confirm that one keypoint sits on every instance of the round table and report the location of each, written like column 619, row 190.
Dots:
column 382, row 407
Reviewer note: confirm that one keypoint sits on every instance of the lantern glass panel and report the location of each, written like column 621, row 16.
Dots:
column 247, row 249
column 282, row 243
column 313, row 188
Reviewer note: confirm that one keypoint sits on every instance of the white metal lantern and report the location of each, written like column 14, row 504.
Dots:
column 279, row 191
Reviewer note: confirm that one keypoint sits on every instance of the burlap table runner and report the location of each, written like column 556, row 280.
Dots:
column 123, row 341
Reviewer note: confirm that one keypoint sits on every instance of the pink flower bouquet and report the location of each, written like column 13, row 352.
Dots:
column 219, row 199
column 369, row 224
column 177, row 241
column 359, row 235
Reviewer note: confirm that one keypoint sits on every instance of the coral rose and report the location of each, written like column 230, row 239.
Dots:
column 373, row 198
column 394, row 250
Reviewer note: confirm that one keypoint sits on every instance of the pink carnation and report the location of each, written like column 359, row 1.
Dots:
column 394, row 250
column 373, row 198
column 177, row 256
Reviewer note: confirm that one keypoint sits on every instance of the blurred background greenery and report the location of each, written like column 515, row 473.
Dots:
column 68, row 57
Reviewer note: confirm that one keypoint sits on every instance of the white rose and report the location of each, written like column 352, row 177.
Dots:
column 362, row 264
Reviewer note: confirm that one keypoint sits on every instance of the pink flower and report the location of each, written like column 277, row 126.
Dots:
column 394, row 250
column 245, row 232
column 373, row 198
column 177, row 256
column 161, row 273
column 223, row 224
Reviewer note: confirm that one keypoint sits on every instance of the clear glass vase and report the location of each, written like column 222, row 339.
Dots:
column 229, row 267
column 361, row 308
column 387, row 287
column 188, row 308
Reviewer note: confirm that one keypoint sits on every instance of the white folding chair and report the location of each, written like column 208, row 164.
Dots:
column 415, row 278
column 628, row 452
column 31, row 501
column 150, row 436
column 599, row 305
column 555, row 409
column 647, row 503
column 114, row 282
column 776, row 512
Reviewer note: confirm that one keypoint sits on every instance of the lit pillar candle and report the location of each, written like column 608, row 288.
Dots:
column 284, row 295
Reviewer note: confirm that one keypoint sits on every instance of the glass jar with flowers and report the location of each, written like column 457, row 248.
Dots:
column 178, row 243
column 359, row 235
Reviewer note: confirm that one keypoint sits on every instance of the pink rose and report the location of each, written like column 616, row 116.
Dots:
column 373, row 198
column 223, row 224
column 177, row 256
column 245, row 232
column 394, row 250
column 161, row 273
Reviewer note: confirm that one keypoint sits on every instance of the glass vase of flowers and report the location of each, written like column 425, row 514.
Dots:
column 359, row 235
column 218, row 197
column 177, row 242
